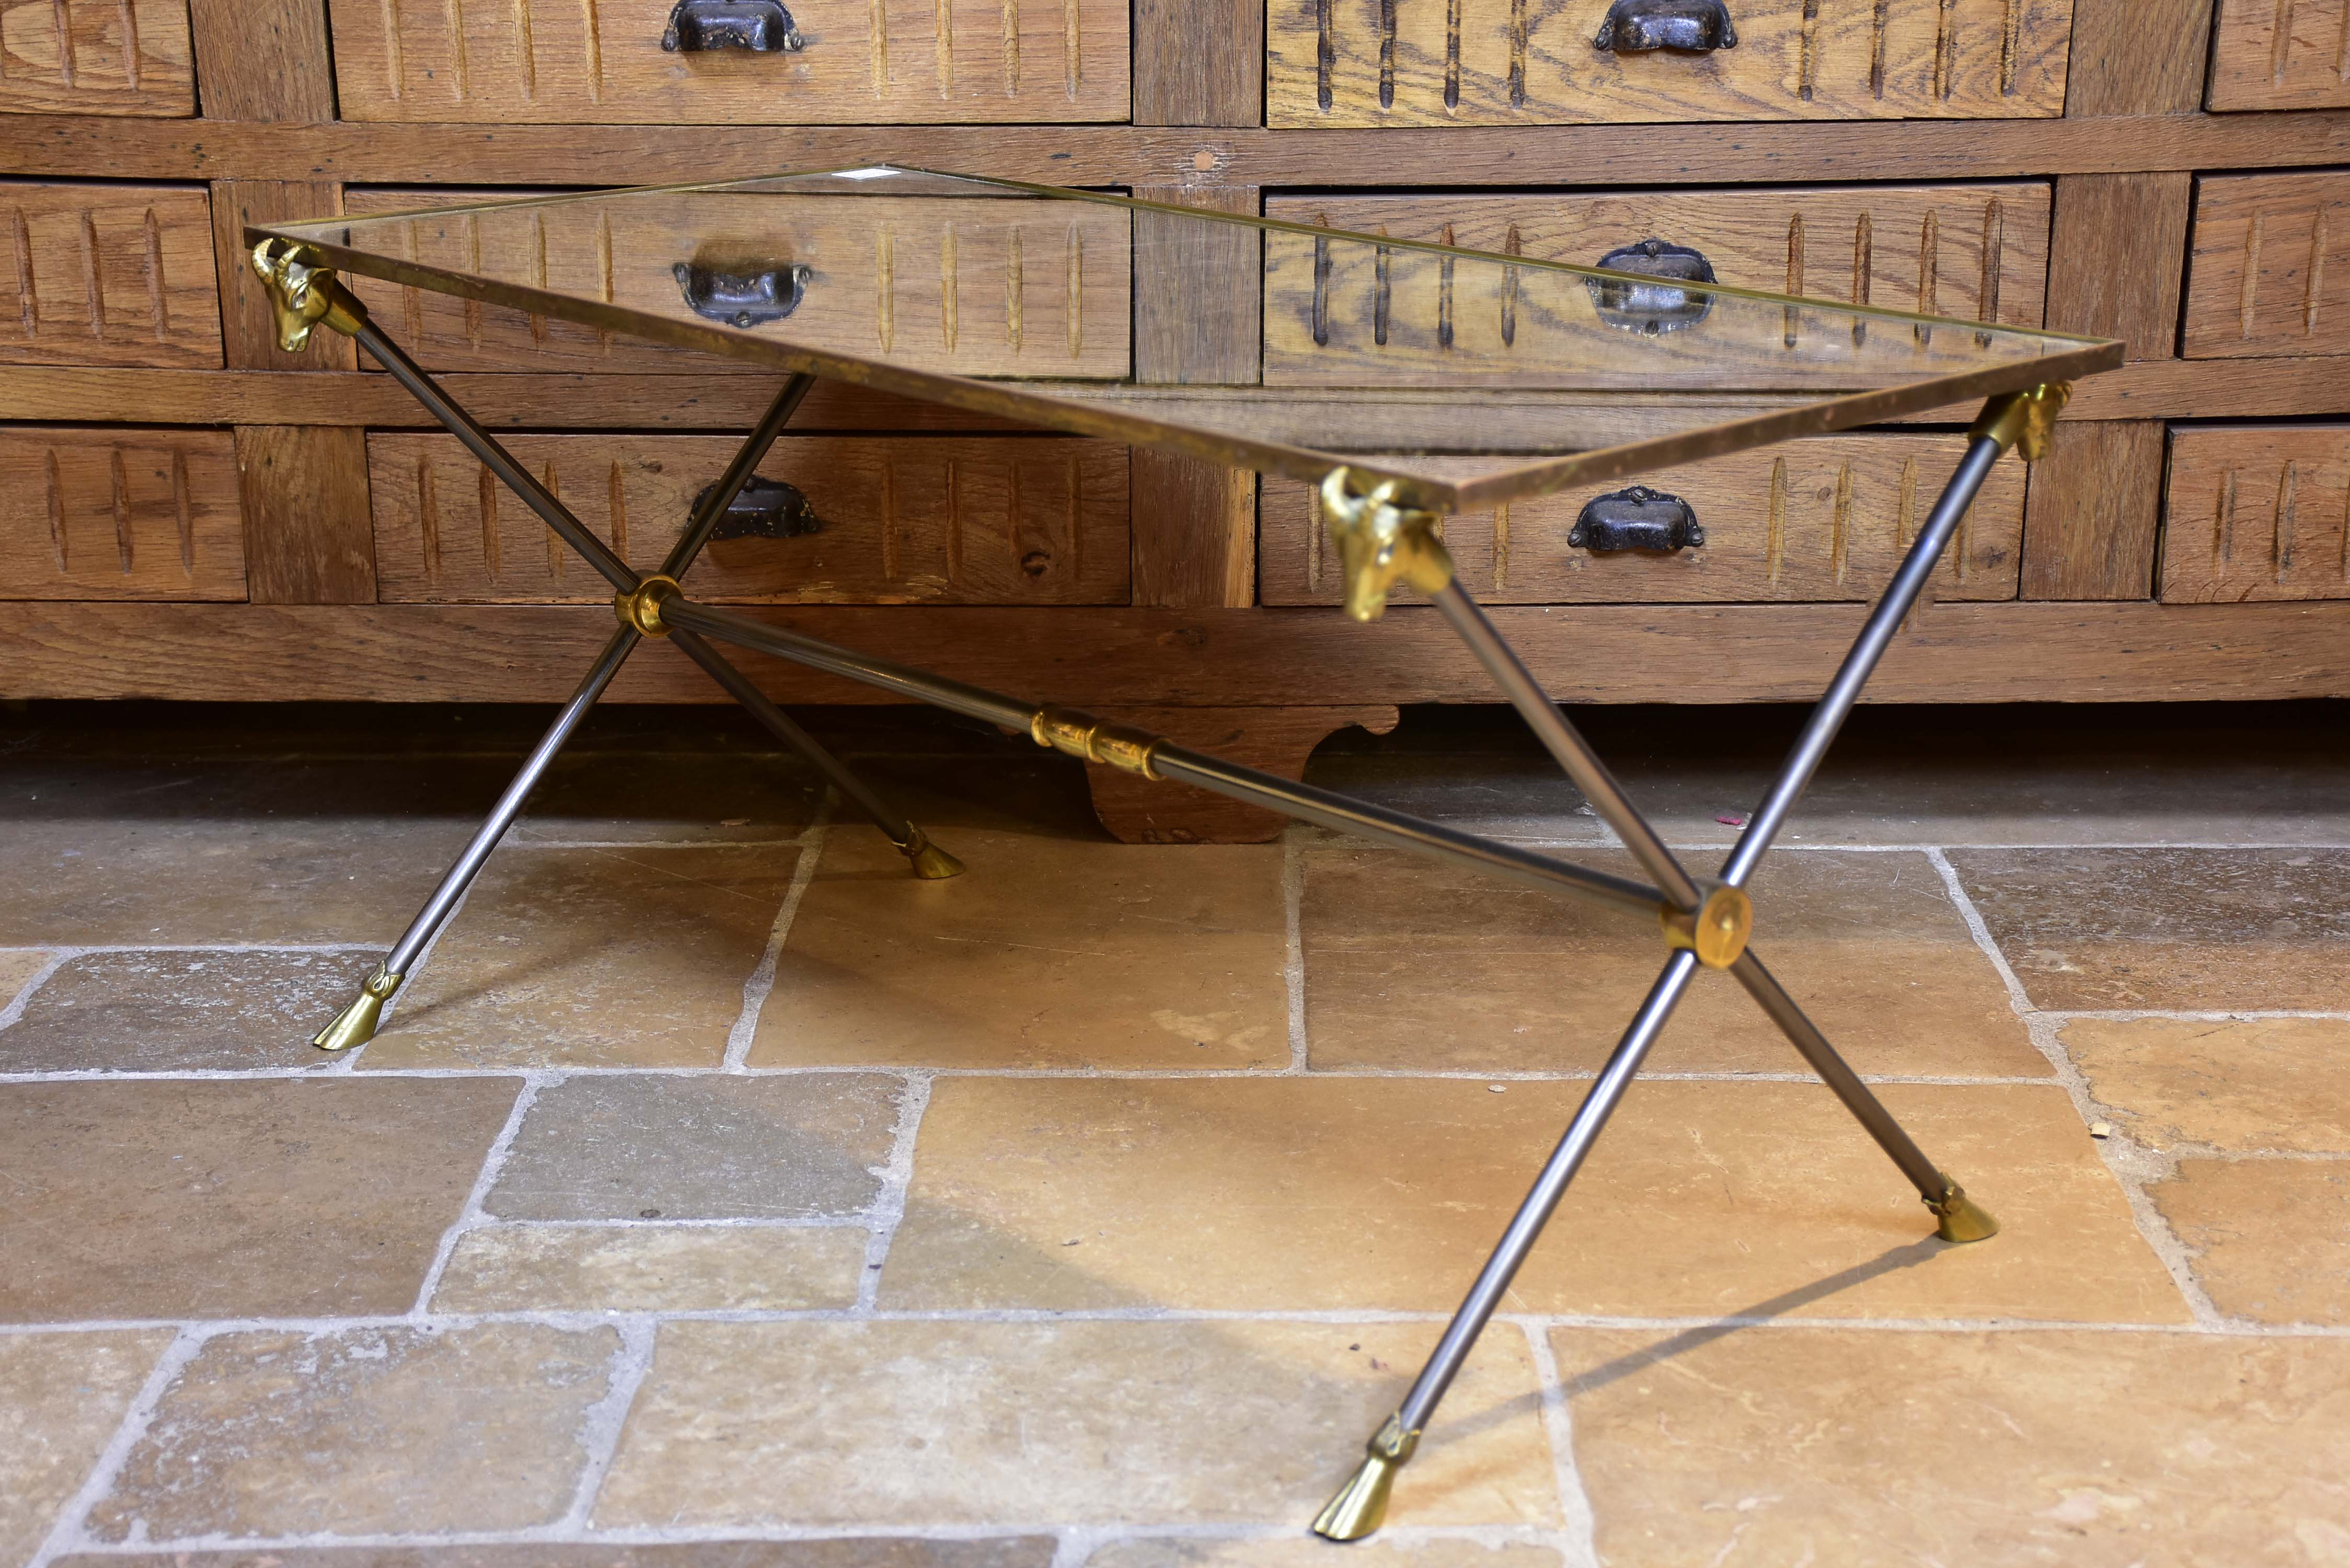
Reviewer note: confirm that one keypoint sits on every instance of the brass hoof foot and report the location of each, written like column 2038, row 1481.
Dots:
column 1962, row 1218
column 355, row 1024
column 931, row 863
column 1361, row 1505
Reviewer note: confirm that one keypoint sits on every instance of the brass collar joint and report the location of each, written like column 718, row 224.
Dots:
column 1381, row 544
column 1717, row 931
column 304, row 292
column 642, row 608
column 1095, row 740
column 2023, row 420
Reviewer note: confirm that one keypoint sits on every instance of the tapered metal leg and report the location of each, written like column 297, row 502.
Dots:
column 355, row 1026
column 1361, row 1504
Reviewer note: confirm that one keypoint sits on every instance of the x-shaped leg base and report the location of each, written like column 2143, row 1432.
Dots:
column 1705, row 923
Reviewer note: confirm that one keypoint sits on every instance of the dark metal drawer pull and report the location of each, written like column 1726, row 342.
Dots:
column 758, row 26
column 1693, row 26
column 1634, row 519
column 1658, row 307
column 764, row 509
column 751, row 297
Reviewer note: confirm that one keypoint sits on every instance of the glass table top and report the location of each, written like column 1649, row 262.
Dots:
column 1472, row 378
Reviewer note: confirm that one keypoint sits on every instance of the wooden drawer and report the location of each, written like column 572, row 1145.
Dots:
column 1506, row 62
column 933, row 281
column 902, row 520
column 2270, row 268
column 2256, row 512
column 90, row 512
column 1825, row 518
column 862, row 62
column 2280, row 54
column 95, row 57
column 1974, row 251
column 110, row 275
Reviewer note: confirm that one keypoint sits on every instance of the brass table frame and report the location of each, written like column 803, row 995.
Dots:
column 1383, row 541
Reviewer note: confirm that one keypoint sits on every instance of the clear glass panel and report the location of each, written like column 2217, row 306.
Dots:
column 1021, row 300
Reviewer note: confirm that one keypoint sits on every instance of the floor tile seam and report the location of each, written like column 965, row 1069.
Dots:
column 1293, row 958
column 761, row 981
column 587, row 1319
column 70, row 1531
column 2122, row 1157
column 702, row 1222
column 17, row 1005
column 1102, row 1534
column 1577, row 1522
column 887, row 1209
column 2188, row 1149
column 1332, row 841
column 1103, row 1074
column 602, row 1424
column 473, row 1216
column 2190, row 1015
column 797, row 840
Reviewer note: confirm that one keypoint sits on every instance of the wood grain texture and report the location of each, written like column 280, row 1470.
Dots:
column 1198, row 62
column 2116, row 254
column 865, row 61
column 2094, row 512
column 2270, row 272
column 2280, row 54
column 248, row 322
column 1374, row 62
column 108, row 275
column 96, row 58
column 1349, row 313
column 2256, row 512
column 1276, row 740
column 265, row 60
column 2138, row 56
column 1823, row 519
column 308, row 538
column 906, row 520
column 1197, row 290
column 1105, row 658
column 979, row 287
column 91, row 513
column 70, row 146
column 1194, row 531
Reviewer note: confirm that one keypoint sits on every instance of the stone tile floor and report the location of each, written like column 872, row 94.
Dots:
column 718, row 1195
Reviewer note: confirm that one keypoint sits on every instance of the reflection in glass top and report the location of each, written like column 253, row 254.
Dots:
column 1021, row 300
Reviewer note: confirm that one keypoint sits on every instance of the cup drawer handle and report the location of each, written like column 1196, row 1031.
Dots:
column 753, row 297
column 755, row 26
column 764, row 509
column 1634, row 519
column 1638, row 305
column 1693, row 26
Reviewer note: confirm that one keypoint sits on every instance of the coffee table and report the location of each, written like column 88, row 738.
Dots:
column 1010, row 299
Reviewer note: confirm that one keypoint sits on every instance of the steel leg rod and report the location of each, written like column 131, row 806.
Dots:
column 1355, row 1511
column 1876, row 634
column 1179, row 763
column 747, row 458
column 356, row 1023
column 1564, row 741
column 496, row 458
column 929, row 862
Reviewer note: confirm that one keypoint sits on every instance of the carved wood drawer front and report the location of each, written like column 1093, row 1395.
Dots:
column 95, row 57
column 91, row 512
column 777, row 62
column 1975, row 251
column 1824, row 518
column 2256, row 512
column 2268, row 271
column 109, row 274
column 913, row 280
column 865, row 520
column 1538, row 62
column 2280, row 54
